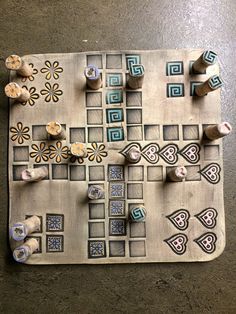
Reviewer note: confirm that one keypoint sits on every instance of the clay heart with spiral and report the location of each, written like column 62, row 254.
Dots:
column 211, row 173
column 191, row 153
column 207, row 217
column 169, row 153
column 180, row 219
column 150, row 153
column 177, row 243
column 207, row 242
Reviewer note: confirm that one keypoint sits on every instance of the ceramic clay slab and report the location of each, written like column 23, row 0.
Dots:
column 185, row 220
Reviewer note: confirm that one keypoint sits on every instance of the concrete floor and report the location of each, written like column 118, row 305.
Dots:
column 40, row 26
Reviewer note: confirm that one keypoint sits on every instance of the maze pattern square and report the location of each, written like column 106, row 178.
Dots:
column 114, row 79
column 114, row 115
column 96, row 249
column 175, row 68
column 54, row 222
column 114, row 97
column 39, row 133
column 175, row 90
column 115, row 134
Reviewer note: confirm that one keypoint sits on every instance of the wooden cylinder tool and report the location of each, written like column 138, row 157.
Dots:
column 93, row 77
column 177, row 173
column 136, row 76
column 23, row 252
column 205, row 60
column 21, row 229
column 138, row 214
column 34, row 174
column 16, row 63
column 212, row 84
column 14, row 91
column 213, row 132
column 95, row 192
column 78, row 149
column 133, row 156
column 55, row 130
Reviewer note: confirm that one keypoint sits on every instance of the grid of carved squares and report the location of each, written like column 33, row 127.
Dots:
column 54, row 239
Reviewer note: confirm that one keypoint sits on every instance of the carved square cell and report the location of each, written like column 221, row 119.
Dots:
column 95, row 135
column 116, row 248
column 117, row 208
column 137, row 248
column 115, row 172
column 211, row 152
column 59, row 172
column 135, row 133
column 39, row 133
column 117, row 227
column 117, row 190
column 170, row 132
column 77, row 135
column 193, row 85
column 96, row 211
column 154, row 173
column 93, row 99
column 17, row 170
column 151, row 132
column 95, row 60
column 133, row 99
column 175, row 90
column 114, row 97
column 96, row 249
column 193, row 173
column 190, row 132
column 138, row 230
column 135, row 173
column 114, row 79
column 96, row 173
column 113, row 61
column 54, row 243
column 21, row 153
column 114, row 115
column 134, row 116
column 77, row 173
column 96, row 229
column 95, row 116
column 131, row 60
column 54, row 222
column 115, row 134
column 135, row 190
column 175, row 68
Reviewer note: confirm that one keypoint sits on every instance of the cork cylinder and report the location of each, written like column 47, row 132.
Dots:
column 93, row 77
column 205, row 60
column 20, row 230
column 138, row 214
column 55, row 130
column 212, row 84
column 177, row 173
column 23, row 252
column 95, row 192
column 213, row 132
column 16, row 63
column 34, row 174
column 78, row 149
column 14, row 91
column 136, row 76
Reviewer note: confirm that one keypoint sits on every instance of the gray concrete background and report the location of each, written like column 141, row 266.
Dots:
column 42, row 26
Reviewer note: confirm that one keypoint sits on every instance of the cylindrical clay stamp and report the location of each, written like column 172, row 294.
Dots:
column 78, row 149
column 14, row 91
column 17, row 64
column 55, row 130
column 212, row 84
column 177, row 173
column 34, row 174
column 205, row 60
column 93, row 77
column 20, row 230
column 213, row 132
column 133, row 156
column 23, row 252
column 138, row 214
column 136, row 76
column 95, row 192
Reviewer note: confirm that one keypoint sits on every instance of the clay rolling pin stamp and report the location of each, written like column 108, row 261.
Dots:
column 136, row 76
column 20, row 230
column 14, row 91
column 213, row 132
column 93, row 77
column 23, row 252
column 55, row 130
column 78, row 149
column 16, row 63
column 177, row 173
column 212, row 84
column 95, row 192
column 205, row 60
column 34, row 174
column 138, row 214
